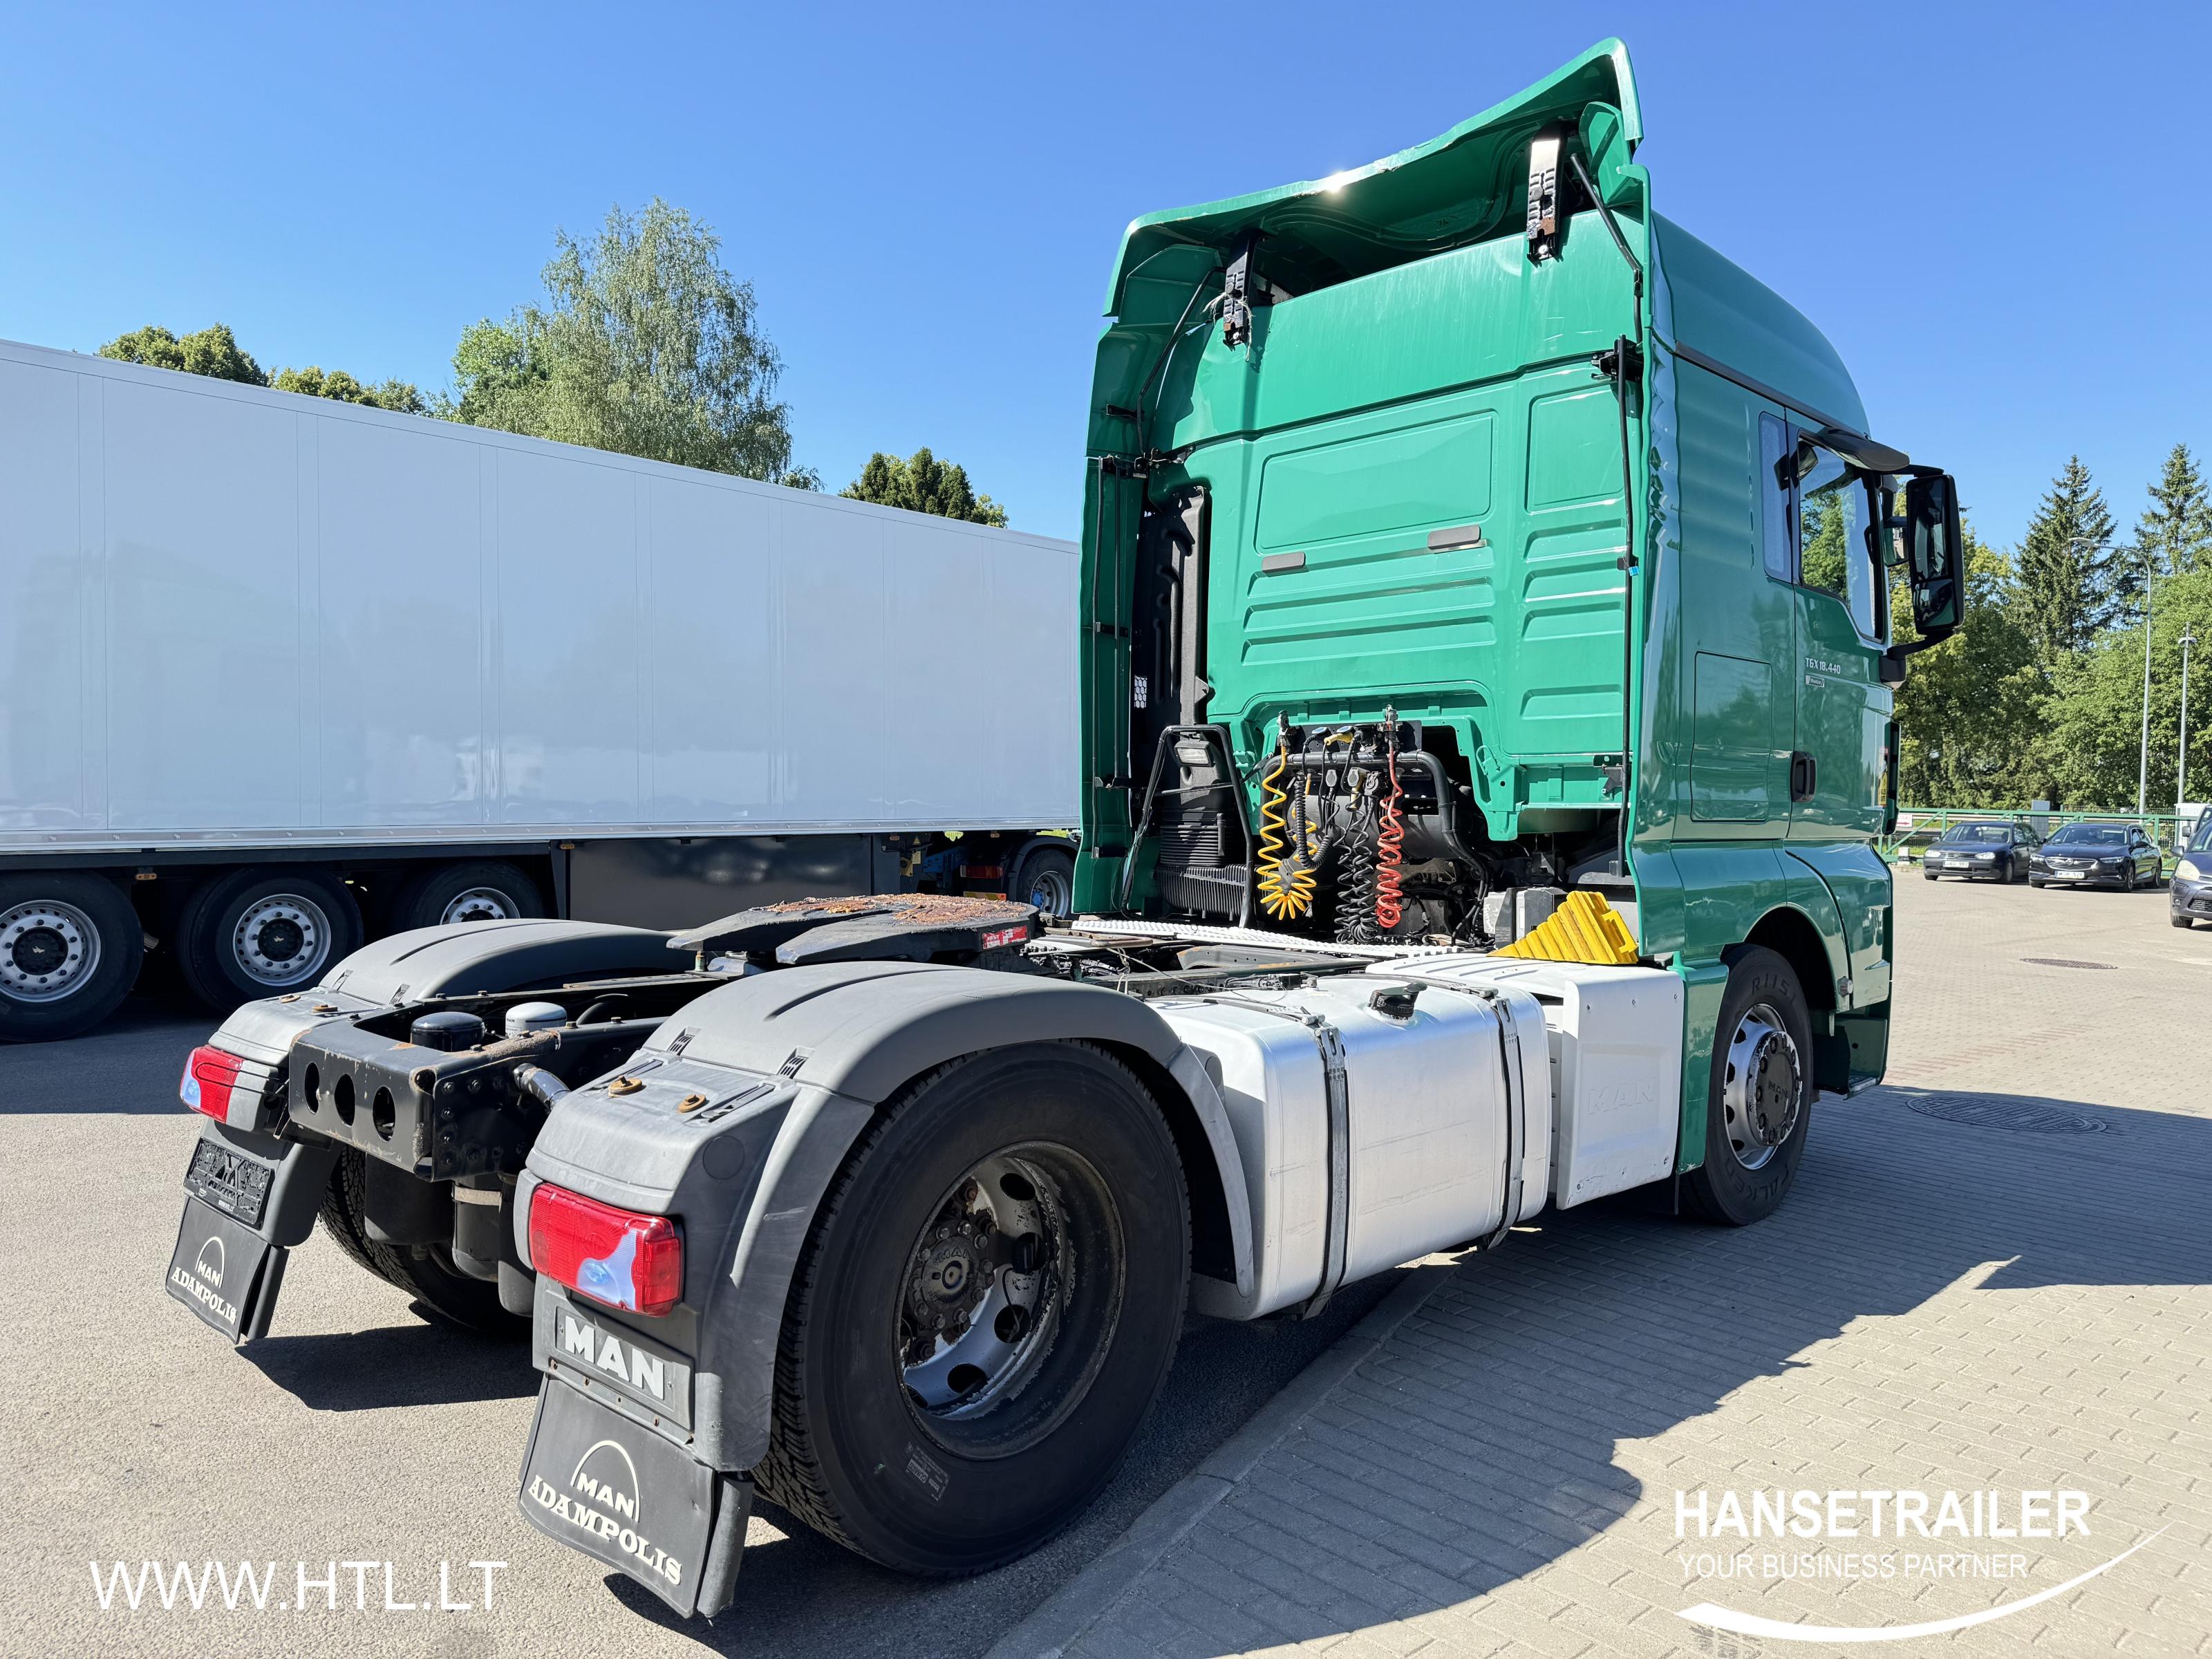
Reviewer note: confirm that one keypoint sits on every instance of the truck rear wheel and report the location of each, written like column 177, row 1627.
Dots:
column 427, row 1275
column 1760, row 1106
column 260, row 933
column 482, row 890
column 69, row 949
column 984, row 1313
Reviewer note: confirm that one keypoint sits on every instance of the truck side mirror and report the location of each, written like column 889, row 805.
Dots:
column 1936, row 556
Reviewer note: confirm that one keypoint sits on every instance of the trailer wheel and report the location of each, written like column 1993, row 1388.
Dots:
column 480, row 891
column 428, row 1276
column 984, row 1313
column 1046, row 878
column 1761, row 1107
column 69, row 949
column 260, row 933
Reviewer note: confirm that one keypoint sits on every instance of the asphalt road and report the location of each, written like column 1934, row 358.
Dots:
column 359, row 1432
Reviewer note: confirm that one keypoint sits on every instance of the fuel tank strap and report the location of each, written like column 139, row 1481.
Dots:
column 1337, row 1083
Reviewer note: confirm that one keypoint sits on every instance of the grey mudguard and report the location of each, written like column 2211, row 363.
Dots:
column 785, row 1070
column 456, row 960
column 497, row 955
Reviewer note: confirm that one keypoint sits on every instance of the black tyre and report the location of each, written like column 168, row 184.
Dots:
column 2033, row 882
column 69, row 949
column 1761, row 1107
column 984, row 1313
column 1046, row 878
column 425, row 1272
column 1929, row 874
column 262, row 931
column 480, row 891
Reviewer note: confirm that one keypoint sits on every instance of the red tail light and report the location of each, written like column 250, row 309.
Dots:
column 209, row 1076
column 615, row 1256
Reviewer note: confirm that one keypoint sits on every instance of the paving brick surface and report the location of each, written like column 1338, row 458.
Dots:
column 1945, row 1303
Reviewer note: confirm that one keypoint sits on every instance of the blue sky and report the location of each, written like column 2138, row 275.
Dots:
column 1985, row 207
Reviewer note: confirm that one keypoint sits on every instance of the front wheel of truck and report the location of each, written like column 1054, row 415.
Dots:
column 1760, row 1106
column 984, row 1313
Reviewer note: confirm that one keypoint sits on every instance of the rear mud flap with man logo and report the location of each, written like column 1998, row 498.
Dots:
column 224, row 1271
column 617, row 1491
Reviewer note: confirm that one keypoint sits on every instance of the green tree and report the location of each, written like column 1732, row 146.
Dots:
column 645, row 345
column 212, row 351
column 1970, row 713
column 2175, row 530
column 400, row 397
column 2095, row 712
column 2063, row 574
column 922, row 483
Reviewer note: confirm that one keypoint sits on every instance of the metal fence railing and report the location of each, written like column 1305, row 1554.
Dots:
column 1917, row 826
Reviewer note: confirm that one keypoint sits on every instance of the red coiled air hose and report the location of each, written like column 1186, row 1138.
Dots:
column 1390, row 902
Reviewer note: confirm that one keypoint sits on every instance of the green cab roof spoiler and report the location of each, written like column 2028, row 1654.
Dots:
column 1456, row 188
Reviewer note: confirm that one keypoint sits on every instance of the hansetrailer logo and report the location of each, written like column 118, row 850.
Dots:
column 625, row 1363
column 208, row 1262
column 258, row 1587
column 604, row 1500
column 1905, row 1531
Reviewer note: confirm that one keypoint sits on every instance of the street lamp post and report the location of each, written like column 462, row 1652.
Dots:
column 2142, row 771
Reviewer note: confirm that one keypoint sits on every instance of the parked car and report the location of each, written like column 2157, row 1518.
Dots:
column 1997, row 849
column 2192, row 877
column 2097, row 855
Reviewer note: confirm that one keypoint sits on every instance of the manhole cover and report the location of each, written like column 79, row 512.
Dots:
column 2032, row 1117
column 2068, row 962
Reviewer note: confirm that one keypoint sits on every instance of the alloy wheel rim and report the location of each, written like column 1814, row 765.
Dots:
column 49, row 948
column 281, row 939
column 478, row 904
column 1763, row 1088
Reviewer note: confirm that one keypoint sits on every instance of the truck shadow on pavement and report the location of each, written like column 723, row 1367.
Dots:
column 1480, row 1443
column 432, row 1363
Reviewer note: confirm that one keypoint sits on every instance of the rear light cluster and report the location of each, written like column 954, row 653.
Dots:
column 209, row 1076
column 615, row 1256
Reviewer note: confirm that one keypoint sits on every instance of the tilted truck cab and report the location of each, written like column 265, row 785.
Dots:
column 1487, row 724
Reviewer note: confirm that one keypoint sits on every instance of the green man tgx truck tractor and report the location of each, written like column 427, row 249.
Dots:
column 1486, row 725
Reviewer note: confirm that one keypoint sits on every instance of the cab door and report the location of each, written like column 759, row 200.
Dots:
column 1844, row 709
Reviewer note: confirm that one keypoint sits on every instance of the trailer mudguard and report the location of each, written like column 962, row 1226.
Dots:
column 790, row 1066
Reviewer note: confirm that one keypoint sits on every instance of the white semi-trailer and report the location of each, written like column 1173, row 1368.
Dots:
column 279, row 675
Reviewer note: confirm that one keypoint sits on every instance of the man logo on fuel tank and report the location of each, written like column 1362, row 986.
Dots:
column 208, row 1263
column 604, row 1500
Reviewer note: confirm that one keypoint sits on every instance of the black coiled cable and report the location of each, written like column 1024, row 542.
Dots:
column 1356, row 873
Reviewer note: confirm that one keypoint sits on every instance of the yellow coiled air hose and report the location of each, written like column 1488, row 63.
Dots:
column 1286, row 890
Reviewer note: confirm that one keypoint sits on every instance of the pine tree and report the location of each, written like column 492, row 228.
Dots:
column 2175, row 530
column 2064, row 575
